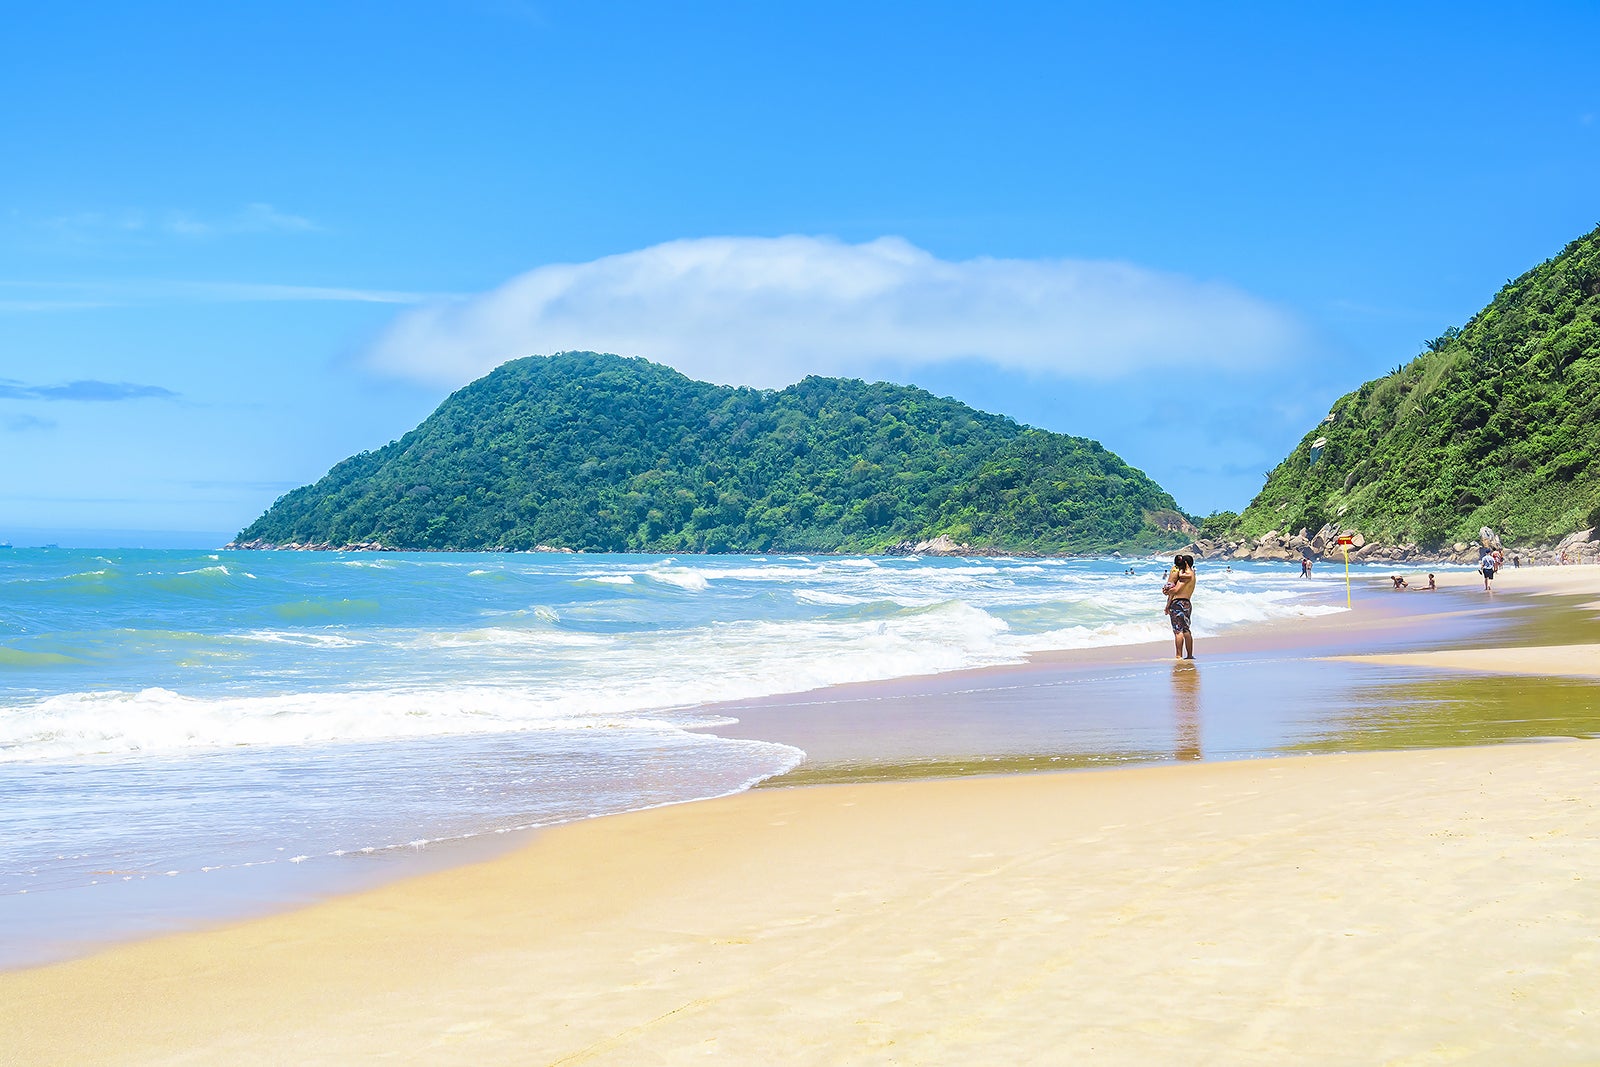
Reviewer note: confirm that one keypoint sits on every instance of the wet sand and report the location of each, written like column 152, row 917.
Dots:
column 1424, row 905
column 1329, row 683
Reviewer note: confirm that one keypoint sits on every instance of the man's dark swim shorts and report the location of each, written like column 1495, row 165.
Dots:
column 1179, row 609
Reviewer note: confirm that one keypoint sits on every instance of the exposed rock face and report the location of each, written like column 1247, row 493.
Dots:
column 1581, row 546
column 1172, row 521
column 939, row 546
column 1577, row 540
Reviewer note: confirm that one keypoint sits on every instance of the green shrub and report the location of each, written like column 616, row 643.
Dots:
column 1493, row 426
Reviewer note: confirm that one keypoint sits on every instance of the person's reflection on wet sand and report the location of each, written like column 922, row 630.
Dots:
column 1186, row 709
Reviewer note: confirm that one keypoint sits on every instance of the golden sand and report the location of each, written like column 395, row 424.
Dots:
column 1557, row 661
column 1422, row 906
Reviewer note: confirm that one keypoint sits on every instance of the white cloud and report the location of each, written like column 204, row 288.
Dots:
column 768, row 311
column 134, row 224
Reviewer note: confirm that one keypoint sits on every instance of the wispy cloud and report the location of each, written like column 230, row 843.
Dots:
column 253, row 291
column 24, row 423
column 29, row 297
column 139, row 224
column 22, row 306
column 768, row 311
column 252, row 218
column 83, row 389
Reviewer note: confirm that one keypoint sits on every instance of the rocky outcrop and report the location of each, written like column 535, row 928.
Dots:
column 261, row 545
column 938, row 546
column 1580, row 547
column 1284, row 546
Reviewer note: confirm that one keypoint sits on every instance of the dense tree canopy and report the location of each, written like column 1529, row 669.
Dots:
column 1494, row 424
column 601, row 452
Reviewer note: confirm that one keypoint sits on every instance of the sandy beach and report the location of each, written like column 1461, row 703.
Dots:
column 1430, row 905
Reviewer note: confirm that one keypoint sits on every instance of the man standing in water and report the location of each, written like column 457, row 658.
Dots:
column 1179, row 589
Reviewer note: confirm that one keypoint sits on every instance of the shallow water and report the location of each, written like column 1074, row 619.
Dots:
column 1246, row 704
column 192, row 734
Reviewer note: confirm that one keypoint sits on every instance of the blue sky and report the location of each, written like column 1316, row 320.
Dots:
column 240, row 242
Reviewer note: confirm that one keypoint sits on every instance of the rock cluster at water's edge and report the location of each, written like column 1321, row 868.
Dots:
column 1582, row 546
column 261, row 545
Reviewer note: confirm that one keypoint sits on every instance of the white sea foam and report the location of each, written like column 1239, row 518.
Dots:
column 601, row 684
column 311, row 638
column 159, row 721
column 822, row 596
column 635, row 658
column 687, row 578
column 220, row 569
column 506, row 637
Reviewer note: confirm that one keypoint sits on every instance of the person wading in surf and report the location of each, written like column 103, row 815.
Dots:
column 1179, row 589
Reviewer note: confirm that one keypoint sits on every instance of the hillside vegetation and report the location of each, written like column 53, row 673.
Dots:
column 601, row 452
column 1495, row 424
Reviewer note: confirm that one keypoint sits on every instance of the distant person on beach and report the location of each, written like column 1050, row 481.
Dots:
column 1305, row 566
column 1179, row 588
column 1486, row 568
column 1399, row 580
column 1431, row 583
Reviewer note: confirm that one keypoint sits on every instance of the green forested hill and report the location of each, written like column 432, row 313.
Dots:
column 1496, row 424
column 590, row 451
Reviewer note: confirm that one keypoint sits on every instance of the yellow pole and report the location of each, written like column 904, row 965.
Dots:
column 1346, row 574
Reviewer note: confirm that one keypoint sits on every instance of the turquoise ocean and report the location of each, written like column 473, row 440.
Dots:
column 192, row 735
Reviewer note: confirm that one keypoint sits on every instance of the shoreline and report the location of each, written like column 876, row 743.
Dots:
column 254, row 1021
column 1372, row 553
column 52, row 922
column 1128, row 704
